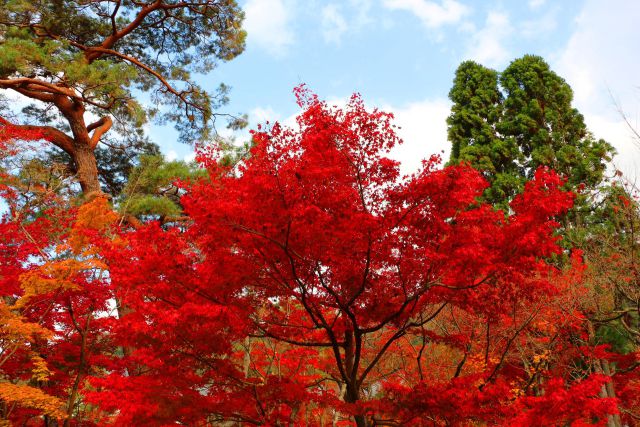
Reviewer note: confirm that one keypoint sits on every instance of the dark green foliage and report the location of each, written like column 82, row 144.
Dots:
column 115, row 162
column 509, row 124
column 150, row 191
column 101, row 53
column 614, row 334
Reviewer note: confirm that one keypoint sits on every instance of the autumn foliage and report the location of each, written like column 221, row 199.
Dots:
column 312, row 284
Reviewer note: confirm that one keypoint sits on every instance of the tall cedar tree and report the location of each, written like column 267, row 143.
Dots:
column 508, row 125
column 87, row 60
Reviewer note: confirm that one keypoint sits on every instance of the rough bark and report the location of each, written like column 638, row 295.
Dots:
column 87, row 170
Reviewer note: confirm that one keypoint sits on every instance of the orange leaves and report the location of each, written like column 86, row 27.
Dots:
column 66, row 274
column 16, row 329
column 40, row 370
column 28, row 397
column 51, row 273
column 93, row 217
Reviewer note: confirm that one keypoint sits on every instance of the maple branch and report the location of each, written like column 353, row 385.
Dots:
column 365, row 274
column 316, row 315
column 506, row 350
column 401, row 332
column 336, row 297
column 83, row 358
column 58, row 138
column 393, row 315
column 267, row 334
column 488, row 341
column 380, row 353
column 419, row 355
column 462, row 362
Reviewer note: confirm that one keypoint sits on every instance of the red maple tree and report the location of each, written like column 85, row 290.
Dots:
column 312, row 285
column 310, row 269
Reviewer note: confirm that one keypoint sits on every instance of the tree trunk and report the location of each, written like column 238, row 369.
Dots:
column 84, row 143
column 608, row 391
column 87, row 169
column 352, row 396
column 601, row 366
column 361, row 421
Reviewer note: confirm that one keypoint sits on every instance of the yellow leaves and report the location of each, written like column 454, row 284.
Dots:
column 40, row 371
column 546, row 327
column 539, row 358
column 32, row 398
column 476, row 363
column 516, row 390
column 96, row 215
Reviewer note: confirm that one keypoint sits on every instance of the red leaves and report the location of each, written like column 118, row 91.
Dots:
column 460, row 402
column 319, row 228
column 578, row 405
column 314, row 284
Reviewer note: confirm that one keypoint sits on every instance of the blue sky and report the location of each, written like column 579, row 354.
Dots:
column 401, row 56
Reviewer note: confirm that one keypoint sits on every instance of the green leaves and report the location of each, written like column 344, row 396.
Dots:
column 509, row 124
column 105, row 54
column 151, row 192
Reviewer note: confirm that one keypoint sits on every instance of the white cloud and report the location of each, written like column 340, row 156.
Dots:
column 615, row 130
column 599, row 63
column 432, row 14
column 171, row 155
column 423, row 129
column 190, row 157
column 333, row 24
column 340, row 18
column 261, row 115
column 268, row 25
column 600, row 53
column 534, row 4
column 487, row 44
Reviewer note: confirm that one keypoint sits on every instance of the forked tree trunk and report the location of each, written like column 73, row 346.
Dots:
column 83, row 147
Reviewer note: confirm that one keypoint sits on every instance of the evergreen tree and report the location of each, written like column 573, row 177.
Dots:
column 509, row 124
column 86, row 61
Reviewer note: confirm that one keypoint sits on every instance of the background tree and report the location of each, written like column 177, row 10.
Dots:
column 537, row 119
column 83, row 63
column 152, row 193
column 509, row 124
column 473, row 130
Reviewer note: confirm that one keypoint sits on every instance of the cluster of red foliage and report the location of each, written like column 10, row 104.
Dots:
column 313, row 285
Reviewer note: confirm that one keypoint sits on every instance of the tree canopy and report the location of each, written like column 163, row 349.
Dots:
column 84, row 65
column 308, row 284
column 299, row 278
column 510, row 123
